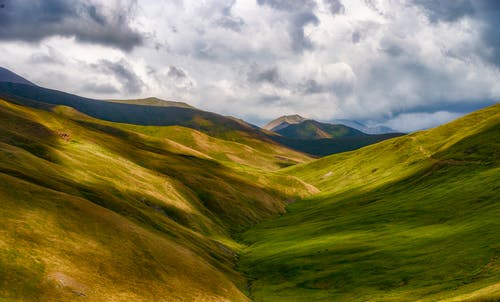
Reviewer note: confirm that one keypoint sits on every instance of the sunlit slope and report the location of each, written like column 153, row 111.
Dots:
column 253, row 153
column 153, row 102
column 91, row 210
column 412, row 218
column 404, row 156
column 228, row 137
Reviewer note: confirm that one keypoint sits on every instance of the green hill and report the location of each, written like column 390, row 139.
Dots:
column 411, row 218
column 100, row 211
column 156, row 112
column 140, row 201
column 153, row 102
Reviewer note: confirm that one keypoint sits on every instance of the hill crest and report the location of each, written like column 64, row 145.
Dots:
column 11, row 77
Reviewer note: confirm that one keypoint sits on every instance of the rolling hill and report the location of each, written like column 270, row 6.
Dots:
column 411, row 218
column 97, row 210
column 153, row 102
column 147, row 112
column 100, row 203
column 156, row 112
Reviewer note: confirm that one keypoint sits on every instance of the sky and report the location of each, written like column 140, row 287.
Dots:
column 406, row 64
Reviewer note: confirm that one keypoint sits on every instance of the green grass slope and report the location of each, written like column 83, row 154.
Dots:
column 153, row 102
column 100, row 211
column 412, row 218
column 155, row 112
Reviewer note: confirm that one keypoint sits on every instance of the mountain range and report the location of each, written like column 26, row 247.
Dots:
column 147, row 200
column 156, row 112
column 289, row 120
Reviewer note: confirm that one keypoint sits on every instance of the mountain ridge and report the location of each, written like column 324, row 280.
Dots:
column 11, row 77
column 96, row 210
column 287, row 120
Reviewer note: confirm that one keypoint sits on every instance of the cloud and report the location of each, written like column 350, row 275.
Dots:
column 100, row 88
column 446, row 10
column 369, row 60
column 298, row 14
column 85, row 20
column 50, row 56
column 179, row 78
column 485, row 12
column 335, row 6
column 228, row 20
column 123, row 73
column 270, row 75
column 408, row 122
column 287, row 5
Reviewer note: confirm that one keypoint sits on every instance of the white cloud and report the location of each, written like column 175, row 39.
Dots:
column 372, row 60
column 408, row 122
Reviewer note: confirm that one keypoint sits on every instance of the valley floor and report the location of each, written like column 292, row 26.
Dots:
column 416, row 218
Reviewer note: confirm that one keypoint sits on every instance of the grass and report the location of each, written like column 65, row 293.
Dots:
column 413, row 218
column 102, row 211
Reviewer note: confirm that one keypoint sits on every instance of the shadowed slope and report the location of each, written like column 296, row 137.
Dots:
column 412, row 218
column 93, row 210
column 223, row 128
column 310, row 129
column 8, row 76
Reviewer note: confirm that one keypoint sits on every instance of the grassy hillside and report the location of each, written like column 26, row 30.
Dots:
column 155, row 112
column 411, row 218
column 97, row 210
column 133, row 112
column 153, row 102
column 100, row 211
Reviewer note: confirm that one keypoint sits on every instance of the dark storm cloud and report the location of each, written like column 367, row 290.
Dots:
column 487, row 12
column 123, row 73
column 34, row 20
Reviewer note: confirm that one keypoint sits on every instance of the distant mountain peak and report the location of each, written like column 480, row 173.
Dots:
column 10, row 77
column 284, row 121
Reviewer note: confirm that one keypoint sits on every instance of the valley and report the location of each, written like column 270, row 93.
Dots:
column 146, row 200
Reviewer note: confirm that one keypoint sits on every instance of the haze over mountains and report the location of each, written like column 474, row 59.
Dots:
column 143, row 200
